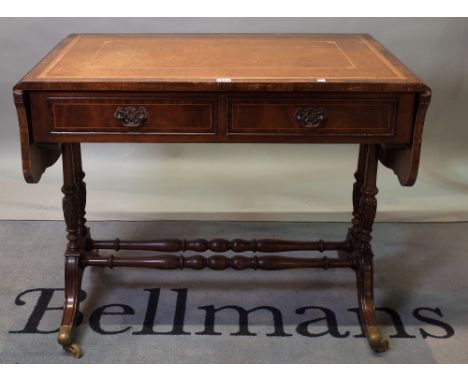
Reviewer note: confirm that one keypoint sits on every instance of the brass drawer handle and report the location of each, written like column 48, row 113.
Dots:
column 130, row 116
column 311, row 116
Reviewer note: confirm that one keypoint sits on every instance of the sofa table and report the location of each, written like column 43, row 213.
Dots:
column 225, row 88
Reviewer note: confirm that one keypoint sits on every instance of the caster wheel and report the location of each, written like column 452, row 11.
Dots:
column 376, row 341
column 74, row 350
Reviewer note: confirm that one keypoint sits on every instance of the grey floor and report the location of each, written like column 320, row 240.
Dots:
column 421, row 293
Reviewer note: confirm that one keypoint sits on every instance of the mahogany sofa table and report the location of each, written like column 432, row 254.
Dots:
column 301, row 88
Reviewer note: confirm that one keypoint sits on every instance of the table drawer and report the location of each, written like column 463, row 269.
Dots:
column 114, row 115
column 252, row 117
column 337, row 117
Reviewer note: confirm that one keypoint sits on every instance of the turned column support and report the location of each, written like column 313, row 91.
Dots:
column 364, row 273
column 367, row 207
column 74, row 201
column 71, row 201
column 354, row 231
column 80, row 185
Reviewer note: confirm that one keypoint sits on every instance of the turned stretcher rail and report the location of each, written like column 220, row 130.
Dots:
column 217, row 262
column 222, row 245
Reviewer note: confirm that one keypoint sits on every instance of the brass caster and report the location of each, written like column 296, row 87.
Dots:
column 376, row 341
column 64, row 337
column 74, row 350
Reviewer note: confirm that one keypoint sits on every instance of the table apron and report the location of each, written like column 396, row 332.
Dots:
column 222, row 117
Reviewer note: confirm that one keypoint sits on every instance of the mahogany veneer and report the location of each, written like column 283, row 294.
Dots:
column 302, row 88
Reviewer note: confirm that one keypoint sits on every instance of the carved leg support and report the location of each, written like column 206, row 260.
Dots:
column 80, row 189
column 362, row 228
column 73, row 275
column 74, row 200
column 353, row 233
column 355, row 252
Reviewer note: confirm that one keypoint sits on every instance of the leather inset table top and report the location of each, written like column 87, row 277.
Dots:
column 225, row 58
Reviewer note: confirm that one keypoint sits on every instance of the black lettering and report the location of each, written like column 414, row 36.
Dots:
column 243, row 321
column 329, row 317
column 449, row 331
column 41, row 307
column 95, row 318
column 152, row 307
column 397, row 323
column 360, row 335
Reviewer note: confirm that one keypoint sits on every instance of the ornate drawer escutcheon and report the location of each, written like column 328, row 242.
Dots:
column 311, row 116
column 130, row 116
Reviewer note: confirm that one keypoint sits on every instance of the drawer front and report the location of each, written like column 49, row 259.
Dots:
column 114, row 115
column 224, row 117
column 313, row 117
